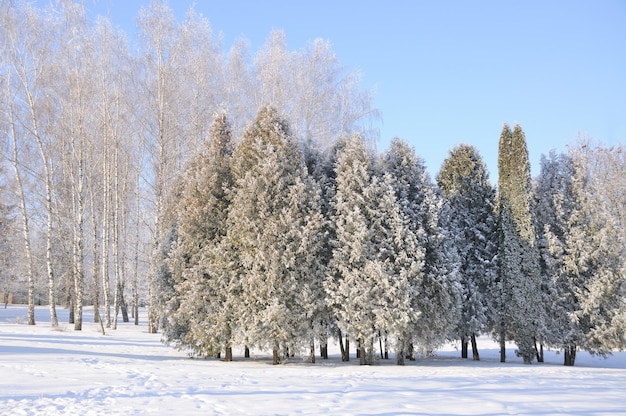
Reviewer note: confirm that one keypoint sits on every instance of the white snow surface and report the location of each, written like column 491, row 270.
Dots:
column 46, row 371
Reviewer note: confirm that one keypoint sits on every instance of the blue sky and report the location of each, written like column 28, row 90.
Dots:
column 451, row 72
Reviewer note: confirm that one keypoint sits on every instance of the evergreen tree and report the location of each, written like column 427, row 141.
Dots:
column 196, row 316
column 165, row 296
column 465, row 181
column 397, row 263
column 434, row 279
column 554, row 205
column 350, row 292
column 371, row 288
column 321, row 168
column 518, row 259
column 593, row 267
column 440, row 296
column 273, row 223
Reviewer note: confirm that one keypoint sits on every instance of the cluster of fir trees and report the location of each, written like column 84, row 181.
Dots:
column 561, row 254
column 275, row 245
column 278, row 246
column 581, row 238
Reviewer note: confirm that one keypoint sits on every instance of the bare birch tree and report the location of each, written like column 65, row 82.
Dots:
column 28, row 49
column 179, row 69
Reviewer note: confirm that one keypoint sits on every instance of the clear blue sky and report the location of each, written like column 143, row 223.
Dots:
column 451, row 72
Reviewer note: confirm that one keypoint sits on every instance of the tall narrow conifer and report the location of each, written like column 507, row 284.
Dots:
column 518, row 269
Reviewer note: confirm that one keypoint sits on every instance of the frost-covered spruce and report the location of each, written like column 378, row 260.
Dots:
column 197, row 316
column 432, row 279
column 439, row 295
column 273, row 223
column 321, row 168
column 370, row 284
column 519, row 308
column 554, row 205
column 399, row 259
column 350, row 292
column 465, row 181
column 594, row 266
column 429, row 259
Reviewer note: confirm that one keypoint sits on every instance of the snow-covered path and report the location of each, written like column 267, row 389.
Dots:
column 129, row 372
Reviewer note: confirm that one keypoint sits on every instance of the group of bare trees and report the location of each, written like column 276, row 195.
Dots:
column 97, row 124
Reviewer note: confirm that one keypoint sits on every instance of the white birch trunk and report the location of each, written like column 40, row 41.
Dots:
column 96, row 257
column 106, row 282
column 116, row 235
column 79, row 273
column 48, row 197
column 135, row 284
column 24, row 215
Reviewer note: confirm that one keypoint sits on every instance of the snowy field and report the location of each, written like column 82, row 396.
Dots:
column 129, row 372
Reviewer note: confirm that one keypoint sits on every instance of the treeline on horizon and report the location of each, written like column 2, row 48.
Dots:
column 239, row 197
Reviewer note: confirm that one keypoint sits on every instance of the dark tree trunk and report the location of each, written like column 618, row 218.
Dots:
column 229, row 354
column 386, row 348
column 96, row 303
column 539, row 352
column 312, row 356
column 345, row 347
column 71, row 317
column 68, row 294
column 463, row 347
column 410, row 351
column 570, row 355
column 324, row 351
column 124, row 307
column 502, row 346
column 246, row 352
column 276, row 357
column 475, row 355
column 342, row 348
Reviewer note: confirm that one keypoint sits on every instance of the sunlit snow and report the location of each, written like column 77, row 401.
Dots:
column 129, row 372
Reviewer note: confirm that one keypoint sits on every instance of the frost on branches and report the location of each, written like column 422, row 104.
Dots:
column 465, row 181
column 518, row 306
column 278, row 245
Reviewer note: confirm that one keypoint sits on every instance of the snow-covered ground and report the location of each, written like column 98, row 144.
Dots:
column 129, row 372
